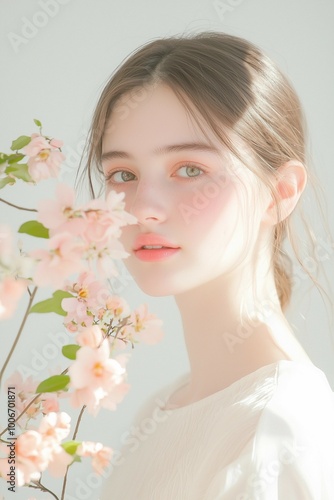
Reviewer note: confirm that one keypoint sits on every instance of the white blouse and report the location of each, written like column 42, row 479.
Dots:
column 267, row 436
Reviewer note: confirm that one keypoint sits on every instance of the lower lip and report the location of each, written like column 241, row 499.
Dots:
column 151, row 254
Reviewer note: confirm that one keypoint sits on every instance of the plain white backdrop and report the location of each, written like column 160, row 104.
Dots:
column 56, row 56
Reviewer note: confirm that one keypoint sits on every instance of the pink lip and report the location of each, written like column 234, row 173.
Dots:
column 154, row 254
column 152, row 239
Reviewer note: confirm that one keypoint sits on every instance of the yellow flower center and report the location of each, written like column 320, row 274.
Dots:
column 98, row 369
column 43, row 155
column 68, row 212
column 83, row 293
column 138, row 323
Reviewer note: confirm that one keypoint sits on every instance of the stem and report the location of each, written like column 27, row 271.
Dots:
column 32, row 296
column 41, row 486
column 73, row 438
column 17, row 206
column 78, row 423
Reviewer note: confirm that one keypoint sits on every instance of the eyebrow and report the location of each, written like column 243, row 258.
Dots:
column 185, row 146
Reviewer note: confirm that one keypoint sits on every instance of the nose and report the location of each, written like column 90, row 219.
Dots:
column 149, row 204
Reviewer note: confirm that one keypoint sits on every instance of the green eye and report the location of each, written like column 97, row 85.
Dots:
column 191, row 171
column 120, row 176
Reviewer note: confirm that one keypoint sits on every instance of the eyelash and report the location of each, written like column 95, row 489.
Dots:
column 108, row 177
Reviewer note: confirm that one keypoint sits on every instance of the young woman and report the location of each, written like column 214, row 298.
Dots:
column 206, row 138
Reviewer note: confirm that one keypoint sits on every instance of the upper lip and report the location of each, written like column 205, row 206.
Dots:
column 152, row 239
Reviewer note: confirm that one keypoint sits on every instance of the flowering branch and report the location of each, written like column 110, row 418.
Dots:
column 26, row 408
column 81, row 241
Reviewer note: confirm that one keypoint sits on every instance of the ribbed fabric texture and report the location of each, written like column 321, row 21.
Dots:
column 268, row 436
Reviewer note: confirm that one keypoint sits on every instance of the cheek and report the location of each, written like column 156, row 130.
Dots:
column 210, row 205
column 223, row 226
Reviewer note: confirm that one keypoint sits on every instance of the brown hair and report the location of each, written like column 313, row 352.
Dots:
column 233, row 86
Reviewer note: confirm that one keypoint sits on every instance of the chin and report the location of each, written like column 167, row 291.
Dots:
column 157, row 283
column 156, row 287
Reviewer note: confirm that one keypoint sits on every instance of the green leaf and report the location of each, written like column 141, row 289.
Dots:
column 38, row 123
column 3, row 158
column 53, row 304
column 5, row 181
column 53, row 384
column 70, row 351
column 71, row 446
column 20, row 142
column 34, row 228
column 20, row 171
column 15, row 158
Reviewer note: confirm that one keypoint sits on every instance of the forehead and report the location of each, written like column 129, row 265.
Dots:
column 153, row 114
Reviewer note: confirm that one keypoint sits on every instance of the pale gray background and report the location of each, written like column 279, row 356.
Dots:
column 57, row 77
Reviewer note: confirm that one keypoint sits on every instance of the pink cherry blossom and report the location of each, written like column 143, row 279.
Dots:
column 37, row 144
column 93, row 368
column 115, row 205
column 56, row 143
column 94, row 376
column 24, row 388
column 117, row 306
column 60, row 215
column 13, row 262
column 6, row 242
column 59, row 461
column 91, row 336
column 55, row 213
column 44, row 157
column 13, row 268
column 25, row 392
column 146, row 326
column 105, row 217
column 45, row 165
column 32, row 457
column 116, row 396
column 89, row 294
column 38, row 450
column 104, row 255
column 50, row 403
column 71, row 327
column 101, row 455
column 55, row 426
column 88, row 397
column 61, row 261
column 11, row 290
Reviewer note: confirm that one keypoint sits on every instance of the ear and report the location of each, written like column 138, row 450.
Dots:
column 291, row 179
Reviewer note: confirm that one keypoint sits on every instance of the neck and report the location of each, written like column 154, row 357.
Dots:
column 222, row 341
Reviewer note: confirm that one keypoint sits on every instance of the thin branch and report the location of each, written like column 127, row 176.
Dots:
column 73, row 438
column 17, row 206
column 78, row 423
column 32, row 296
column 41, row 486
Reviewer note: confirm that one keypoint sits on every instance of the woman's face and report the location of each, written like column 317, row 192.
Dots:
column 181, row 188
